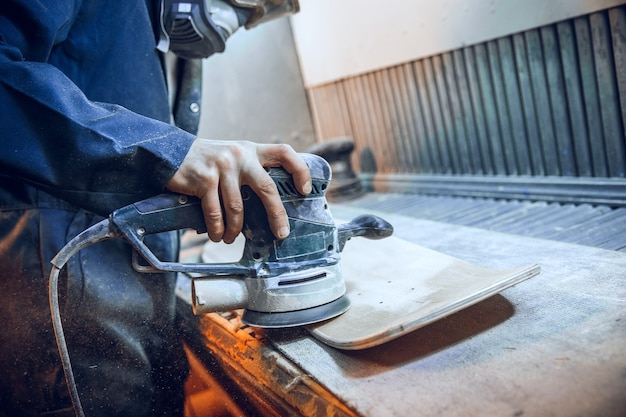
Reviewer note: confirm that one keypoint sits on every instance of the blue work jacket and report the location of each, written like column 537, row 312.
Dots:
column 85, row 129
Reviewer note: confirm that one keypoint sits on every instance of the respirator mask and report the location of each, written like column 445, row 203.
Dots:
column 194, row 29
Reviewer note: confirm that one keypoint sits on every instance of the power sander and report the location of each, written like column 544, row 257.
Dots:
column 278, row 283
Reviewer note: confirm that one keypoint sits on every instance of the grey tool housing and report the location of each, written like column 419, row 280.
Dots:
column 279, row 283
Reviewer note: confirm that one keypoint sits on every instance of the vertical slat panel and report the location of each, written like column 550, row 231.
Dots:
column 378, row 137
column 388, row 120
column 385, row 138
column 379, row 140
column 345, row 111
column 319, row 121
column 326, row 112
column 468, row 121
column 358, row 104
column 617, row 20
column 558, row 101
column 457, row 131
column 607, row 90
column 504, row 122
column 393, row 116
column 360, row 126
column 548, row 101
column 479, row 111
column 435, row 111
column 416, row 118
column 408, row 139
column 449, row 146
column 542, row 101
column 371, row 131
column 490, row 108
column 576, row 111
column 429, row 124
column 440, row 107
column 353, row 113
column 590, row 97
column 517, row 141
column 343, row 93
column 329, row 112
column 528, row 105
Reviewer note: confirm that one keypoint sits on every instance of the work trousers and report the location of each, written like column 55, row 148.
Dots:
column 119, row 324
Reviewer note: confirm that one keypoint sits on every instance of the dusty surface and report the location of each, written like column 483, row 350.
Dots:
column 553, row 345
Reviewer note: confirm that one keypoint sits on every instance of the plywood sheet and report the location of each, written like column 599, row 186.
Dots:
column 396, row 286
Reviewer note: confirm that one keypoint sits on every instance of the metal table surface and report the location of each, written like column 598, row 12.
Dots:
column 598, row 226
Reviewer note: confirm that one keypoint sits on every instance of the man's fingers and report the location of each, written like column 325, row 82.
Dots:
column 215, row 171
column 262, row 184
column 212, row 210
column 288, row 158
column 232, row 206
column 302, row 180
column 264, row 187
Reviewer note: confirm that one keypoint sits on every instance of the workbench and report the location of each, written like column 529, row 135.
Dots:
column 554, row 345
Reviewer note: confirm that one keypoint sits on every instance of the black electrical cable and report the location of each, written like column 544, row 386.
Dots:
column 96, row 233
column 61, row 343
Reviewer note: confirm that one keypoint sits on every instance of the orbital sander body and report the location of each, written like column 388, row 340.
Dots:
column 295, row 281
column 278, row 283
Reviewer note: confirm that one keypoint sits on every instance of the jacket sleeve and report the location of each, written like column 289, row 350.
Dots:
column 98, row 156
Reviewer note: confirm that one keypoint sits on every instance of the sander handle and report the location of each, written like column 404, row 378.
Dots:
column 163, row 213
column 367, row 226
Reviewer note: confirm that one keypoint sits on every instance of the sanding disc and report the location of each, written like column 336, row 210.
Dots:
column 298, row 317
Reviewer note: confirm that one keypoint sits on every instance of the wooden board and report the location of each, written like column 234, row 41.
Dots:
column 396, row 286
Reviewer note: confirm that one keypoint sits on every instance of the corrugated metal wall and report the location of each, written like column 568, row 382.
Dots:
column 546, row 102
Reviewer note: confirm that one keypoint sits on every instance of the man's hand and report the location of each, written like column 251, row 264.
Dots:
column 214, row 171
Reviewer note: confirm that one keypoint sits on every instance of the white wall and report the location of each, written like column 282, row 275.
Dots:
column 342, row 38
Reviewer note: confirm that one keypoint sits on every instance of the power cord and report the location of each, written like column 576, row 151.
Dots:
column 61, row 343
column 96, row 233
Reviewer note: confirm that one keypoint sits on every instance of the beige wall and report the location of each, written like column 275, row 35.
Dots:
column 254, row 90
column 342, row 38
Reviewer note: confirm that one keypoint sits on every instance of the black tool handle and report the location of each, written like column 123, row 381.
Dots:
column 367, row 225
column 163, row 213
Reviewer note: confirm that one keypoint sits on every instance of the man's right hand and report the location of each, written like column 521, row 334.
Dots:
column 215, row 171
